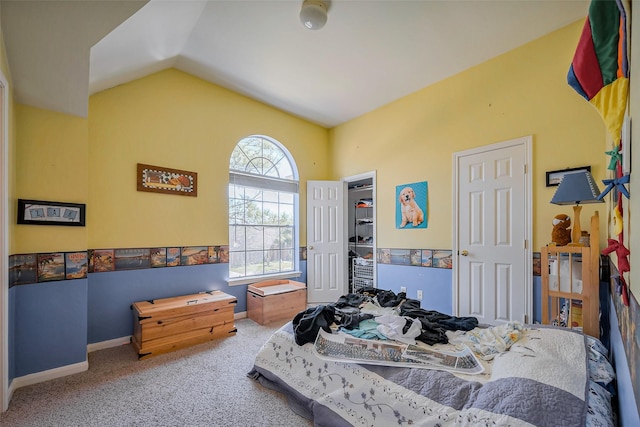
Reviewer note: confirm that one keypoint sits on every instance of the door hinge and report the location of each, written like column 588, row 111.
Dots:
column 526, row 319
column 525, row 168
column 525, row 243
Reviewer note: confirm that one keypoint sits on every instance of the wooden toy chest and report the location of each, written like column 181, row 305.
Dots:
column 274, row 300
column 168, row 324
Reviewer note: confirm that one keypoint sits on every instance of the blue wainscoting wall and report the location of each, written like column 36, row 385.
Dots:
column 11, row 339
column 435, row 284
column 111, row 294
column 52, row 323
column 537, row 299
column 48, row 326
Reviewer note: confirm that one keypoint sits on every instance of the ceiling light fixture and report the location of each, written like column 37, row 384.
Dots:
column 313, row 14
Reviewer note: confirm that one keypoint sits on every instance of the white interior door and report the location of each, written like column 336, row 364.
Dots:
column 326, row 256
column 492, row 232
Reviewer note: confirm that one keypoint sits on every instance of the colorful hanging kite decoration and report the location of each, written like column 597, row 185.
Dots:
column 600, row 67
column 621, row 288
column 616, row 156
column 600, row 73
column 617, row 246
column 617, row 183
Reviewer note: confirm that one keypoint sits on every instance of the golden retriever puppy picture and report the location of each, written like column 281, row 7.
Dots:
column 412, row 204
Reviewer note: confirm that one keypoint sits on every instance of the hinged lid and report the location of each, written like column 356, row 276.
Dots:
column 271, row 287
column 193, row 303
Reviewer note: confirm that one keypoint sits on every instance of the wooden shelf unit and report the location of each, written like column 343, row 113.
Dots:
column 559, row 288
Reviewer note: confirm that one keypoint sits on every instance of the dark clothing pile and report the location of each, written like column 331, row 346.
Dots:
column 347, row 310
column 308, row 323
column 435, row 324
column 389, row 298
column 346, row 313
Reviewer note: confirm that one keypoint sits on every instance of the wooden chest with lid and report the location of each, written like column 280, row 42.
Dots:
column 275, row 300
column 168, row 324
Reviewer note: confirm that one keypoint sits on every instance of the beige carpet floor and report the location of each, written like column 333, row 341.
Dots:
column 204, row 385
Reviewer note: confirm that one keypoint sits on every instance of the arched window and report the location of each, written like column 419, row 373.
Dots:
column 263, row 211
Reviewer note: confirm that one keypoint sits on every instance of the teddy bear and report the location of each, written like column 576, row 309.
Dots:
column 561, row 235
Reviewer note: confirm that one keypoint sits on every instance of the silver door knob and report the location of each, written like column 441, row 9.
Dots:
column 464, row 253
column 310, row 248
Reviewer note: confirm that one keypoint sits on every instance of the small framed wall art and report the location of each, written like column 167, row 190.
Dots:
column 40, row 212
column 157, row 179
column 554, row 177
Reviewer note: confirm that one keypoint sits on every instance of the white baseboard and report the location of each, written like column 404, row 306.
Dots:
column 242, row 315
column 108, row 344
column 51, row 374
column 10, row 391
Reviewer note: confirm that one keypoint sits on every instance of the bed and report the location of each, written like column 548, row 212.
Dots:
column 547, row 376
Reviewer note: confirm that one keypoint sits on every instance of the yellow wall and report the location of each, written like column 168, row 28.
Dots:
column 51, row 164
column 523, row 92
column 4, row 67
column 178, row 121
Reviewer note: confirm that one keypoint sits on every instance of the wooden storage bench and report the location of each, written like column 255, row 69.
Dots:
column 167, row 324
column 274, row 300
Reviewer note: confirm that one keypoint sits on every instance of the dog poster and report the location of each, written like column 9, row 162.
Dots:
column 411, row 207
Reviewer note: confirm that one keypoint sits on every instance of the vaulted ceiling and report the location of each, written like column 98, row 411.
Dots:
column 369, row 53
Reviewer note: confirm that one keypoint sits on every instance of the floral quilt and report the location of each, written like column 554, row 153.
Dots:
column 541, row 381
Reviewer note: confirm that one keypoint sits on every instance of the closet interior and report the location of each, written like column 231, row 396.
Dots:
column 362, row 227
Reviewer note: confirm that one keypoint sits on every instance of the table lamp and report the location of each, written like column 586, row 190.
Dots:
column 576, row 187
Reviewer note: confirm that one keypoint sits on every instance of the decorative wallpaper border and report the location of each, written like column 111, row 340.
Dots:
column 46, row 267
column 537, row 264
column 436, row 258
column 26, row 269
column 102, row 260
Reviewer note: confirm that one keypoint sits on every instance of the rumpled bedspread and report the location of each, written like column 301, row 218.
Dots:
column 542, row 380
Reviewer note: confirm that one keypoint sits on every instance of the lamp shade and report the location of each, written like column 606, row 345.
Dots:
column 313, row 14
column 576, row 188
